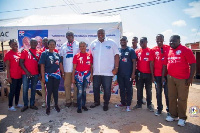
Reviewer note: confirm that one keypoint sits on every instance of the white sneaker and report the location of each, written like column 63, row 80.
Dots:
column 44, row 105
column 12, row 108
column 169, row 118
column 119, row 105
column 19, row 106
column 181, row 122
column 128, row 108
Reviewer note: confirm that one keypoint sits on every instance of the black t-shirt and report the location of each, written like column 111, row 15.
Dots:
column 51, row 61
column 125, row 61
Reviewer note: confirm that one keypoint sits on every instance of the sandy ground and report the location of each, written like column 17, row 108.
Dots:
column 115, row 120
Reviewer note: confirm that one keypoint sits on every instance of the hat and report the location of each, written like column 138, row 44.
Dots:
column 123, row 38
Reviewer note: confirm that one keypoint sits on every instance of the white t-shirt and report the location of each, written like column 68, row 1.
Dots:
column 103, row 56
column 68, row 53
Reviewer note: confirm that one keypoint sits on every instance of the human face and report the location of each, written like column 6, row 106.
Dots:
column 174, row 42
column 82, row 47
column 134, row 42
column 33, row 44
column 101, row 35
column 123, row 42
column 143, row 43
column 14, row 46
column 39, row 40
column 51, row 46
column 26, row 42
column 70, row 38
column 159, row 40
column 44, row 42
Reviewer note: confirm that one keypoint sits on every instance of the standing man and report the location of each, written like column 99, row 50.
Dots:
column 68, row 50
column 29, row 64
column 106, row 62
column 44, row 49
column 143, row 76
column 159, row 54
column 180, row 65
column 126, row 73
column 134, row 43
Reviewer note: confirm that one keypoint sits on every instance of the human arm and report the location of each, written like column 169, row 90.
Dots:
column 8, row 71
column 42, row 72
column 152, row 70
column 91, row 70
column 192, row 71
column 21, row 62
column 62, row 70
column 134, row 67
column 115, row 70
column 164, row 70
column 73, row 73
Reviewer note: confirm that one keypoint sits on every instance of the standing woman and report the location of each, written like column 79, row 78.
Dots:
column 82, row 75
column 14, row 74
column 51, row 71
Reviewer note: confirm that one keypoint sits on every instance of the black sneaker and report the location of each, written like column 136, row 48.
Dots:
column 85, row 108
column 79, row 111
column 34, row 107
column 24, row 108
column 48, row 111
column 137, row 107
column 57, row 108
column 158, row 113
column 105, row 108
column 151, row 109
column 94, row 105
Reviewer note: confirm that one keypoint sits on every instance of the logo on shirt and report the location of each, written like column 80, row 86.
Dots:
column 124, row 59
column 157, row 53
column 37, row 55
column 51, row 59
column 147, row 53
column 88, row 57
column 57, row 62
column 126, row 53
column 81, row 60
column 93, row 49
column 16, row 58
column 178, row 52
column 108, row 47
column 146, row 59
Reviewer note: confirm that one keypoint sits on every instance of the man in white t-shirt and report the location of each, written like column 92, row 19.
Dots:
column 67, row 52
column 105, row 64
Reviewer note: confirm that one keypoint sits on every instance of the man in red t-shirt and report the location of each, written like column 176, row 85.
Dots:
column 82, row 75
column 159, row 54
column 143, row 74
column 180, row 65
column 14, row 74
column 29, row 64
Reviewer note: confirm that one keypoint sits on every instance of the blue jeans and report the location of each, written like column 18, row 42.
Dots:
column 81, row 93
column 26, row 82
column 106, row 82
column 159, row 93
column 126, row 89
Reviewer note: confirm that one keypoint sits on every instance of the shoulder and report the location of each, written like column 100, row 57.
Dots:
column 76, row 42
column 110, row 41
column 94, row 41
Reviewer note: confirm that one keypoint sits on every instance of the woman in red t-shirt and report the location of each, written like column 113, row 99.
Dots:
column 14, row 74
column 82, row 74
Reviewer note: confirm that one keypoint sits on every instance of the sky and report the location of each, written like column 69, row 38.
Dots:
column 180, row 17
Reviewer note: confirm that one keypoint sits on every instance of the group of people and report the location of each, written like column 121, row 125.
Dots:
column 171, row 67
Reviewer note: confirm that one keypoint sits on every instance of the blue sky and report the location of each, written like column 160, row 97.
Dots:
column 180, row 17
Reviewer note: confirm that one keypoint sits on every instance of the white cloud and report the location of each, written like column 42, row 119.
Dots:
column 194, row 11
column 179, row 23
column 193, row 30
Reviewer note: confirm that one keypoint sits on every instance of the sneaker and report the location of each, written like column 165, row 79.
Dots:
column 94, row 105
column 119, row 105
column 34, row 107
column 151, row 109
column 181, row 122
column 137, row 107
column 48, row 111
column 170, row 119
column 85, row 108
column 57, row 108
column 12, row 108
column 79, row 111
column 44, row 105
column 105, row 108
column 24, row 108
column 19, row 106
column 128, row 108
column 158, row 113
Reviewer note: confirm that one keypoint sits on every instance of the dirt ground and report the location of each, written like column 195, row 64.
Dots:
column 115, row 120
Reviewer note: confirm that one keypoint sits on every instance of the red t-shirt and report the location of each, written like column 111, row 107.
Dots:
column 158, row 58
column 29, row 61
column 178, row 62
column 43, row 49
column 144, row 56
column 83, row 61
column 15, row 69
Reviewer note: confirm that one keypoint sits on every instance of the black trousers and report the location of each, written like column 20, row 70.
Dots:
column 52, row 87
column 106, row 82
column 126, row 89
column 15, row 88
column 141, row 80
